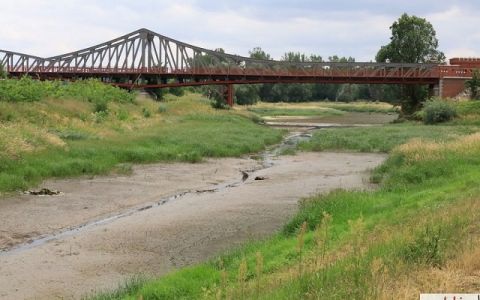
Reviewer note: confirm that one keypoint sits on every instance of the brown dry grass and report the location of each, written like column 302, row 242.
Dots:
column 35, row 126
column 26, row 138
column 423, row 150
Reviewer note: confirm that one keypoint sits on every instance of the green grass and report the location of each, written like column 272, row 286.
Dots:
column 421, row 217
column 468, row 107
column 380, row 138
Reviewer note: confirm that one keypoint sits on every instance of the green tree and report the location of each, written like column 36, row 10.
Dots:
column 247, row 94
column 413, row 40
column 474, row 84
column 3, row 72
column 341, row 92
column 258, row 53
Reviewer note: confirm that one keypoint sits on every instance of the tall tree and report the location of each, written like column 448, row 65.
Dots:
column 413, row 40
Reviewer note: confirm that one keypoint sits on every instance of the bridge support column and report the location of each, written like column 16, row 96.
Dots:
column 229, row 94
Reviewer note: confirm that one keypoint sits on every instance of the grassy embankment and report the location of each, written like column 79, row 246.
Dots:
column 86, row 128
column 418, row 232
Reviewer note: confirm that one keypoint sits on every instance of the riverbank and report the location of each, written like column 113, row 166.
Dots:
column 417, row 233
column 193, row 227
column 58, row 138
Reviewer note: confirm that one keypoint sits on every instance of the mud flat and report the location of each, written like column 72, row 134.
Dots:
column 155, row 239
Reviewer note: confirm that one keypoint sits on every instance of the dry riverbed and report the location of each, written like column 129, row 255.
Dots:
column 142, row 230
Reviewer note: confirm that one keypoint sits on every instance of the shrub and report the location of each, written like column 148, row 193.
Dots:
column 122, row 115
column 26, row 90
column 425, row 249
column 162, row 108
column 22, row 90
column 100, row 106
column 438, row 111
column 146, row 112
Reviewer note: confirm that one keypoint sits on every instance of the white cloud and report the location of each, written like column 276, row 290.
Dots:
column 457, row 31
column 51, row 27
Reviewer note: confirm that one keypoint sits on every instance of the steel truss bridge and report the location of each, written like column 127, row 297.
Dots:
column 145, row 59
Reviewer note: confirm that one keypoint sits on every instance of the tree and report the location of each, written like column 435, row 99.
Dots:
column 474, row 84
column 247, row 94
column 413, row 40
column 3, row 72
column 258, row 53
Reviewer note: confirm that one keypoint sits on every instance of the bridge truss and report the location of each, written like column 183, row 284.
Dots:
column 145, row 59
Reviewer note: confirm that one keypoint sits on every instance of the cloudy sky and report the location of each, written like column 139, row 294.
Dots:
column 342, row 27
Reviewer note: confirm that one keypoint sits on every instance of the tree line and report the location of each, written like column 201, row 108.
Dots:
column 299, row 92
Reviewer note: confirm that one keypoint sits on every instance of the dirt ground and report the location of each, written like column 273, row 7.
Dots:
column 25, row 217
column 183, row 231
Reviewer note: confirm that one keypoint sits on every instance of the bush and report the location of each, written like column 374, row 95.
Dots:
column 101, row 106
column 162, row 108
column 122, row 115
column 438, row 111
column 146, row 112
column 22, row 90
column 27, row 90
column 425, row 249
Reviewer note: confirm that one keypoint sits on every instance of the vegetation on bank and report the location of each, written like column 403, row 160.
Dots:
column 26, row 89
column 418, row 232
column 385, row 138
column 381, row 138
column 319, row 108
column 52, row 129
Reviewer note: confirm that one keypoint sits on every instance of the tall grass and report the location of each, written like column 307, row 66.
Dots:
column 381, row 138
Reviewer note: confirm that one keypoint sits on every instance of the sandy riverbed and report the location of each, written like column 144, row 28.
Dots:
column 189, row 229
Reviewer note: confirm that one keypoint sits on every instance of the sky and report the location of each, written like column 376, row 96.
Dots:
column 342, row 27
